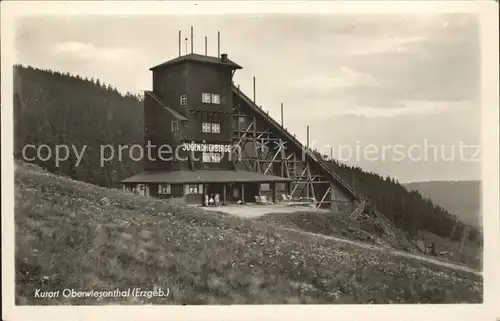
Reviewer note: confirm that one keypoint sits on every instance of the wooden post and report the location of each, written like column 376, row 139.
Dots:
column 332, row 198
column 307, row 138
column 218, row 44
column 274, row 191
column 179, row 43
column 465, row 231
column 224, row 194
column 254, row 89
column 281, row 114
column 256, row 164
column 192, row 32
column 243, row 193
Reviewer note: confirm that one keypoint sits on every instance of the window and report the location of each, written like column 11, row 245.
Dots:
column 192, row 189
column 211, row 157
column 216, row 157
column 139, row 189
column 184, row 100
column 175, row 126
column 280, row 186
column 207, row 158
column 215, row 128
column 206, row 127
column 265, row 187
column 205, row 98
column 241, row 119
column 164, row 189
column 215, row 99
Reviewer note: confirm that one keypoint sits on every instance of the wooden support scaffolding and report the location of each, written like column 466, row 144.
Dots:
column 267, row 152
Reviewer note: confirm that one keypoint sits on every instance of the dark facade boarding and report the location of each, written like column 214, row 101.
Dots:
column 206, row 138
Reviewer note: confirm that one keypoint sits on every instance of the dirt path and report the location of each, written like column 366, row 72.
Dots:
column 254, row 211
column 447, row 264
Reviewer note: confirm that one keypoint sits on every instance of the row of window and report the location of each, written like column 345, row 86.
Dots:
column 166, row 189
column 206, row 98
column 210, row 128
column 211, row 157
column 205, row 127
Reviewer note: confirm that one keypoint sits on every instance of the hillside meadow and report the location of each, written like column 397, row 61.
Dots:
column 76, row 235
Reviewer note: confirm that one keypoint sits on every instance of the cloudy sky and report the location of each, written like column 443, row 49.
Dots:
column 394, row 94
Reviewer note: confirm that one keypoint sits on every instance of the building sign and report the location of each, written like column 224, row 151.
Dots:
column 202, row 147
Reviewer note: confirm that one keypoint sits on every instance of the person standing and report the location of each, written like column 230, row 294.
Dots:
column 217, row 199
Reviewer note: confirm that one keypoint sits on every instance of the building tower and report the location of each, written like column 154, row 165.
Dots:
column 188, row 134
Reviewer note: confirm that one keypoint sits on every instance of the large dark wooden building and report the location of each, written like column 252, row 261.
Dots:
column 205, row 136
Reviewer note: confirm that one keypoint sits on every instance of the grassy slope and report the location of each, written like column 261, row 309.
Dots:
column 462, row 198
column 75, row 235
column 329, row 224
column 341, row 225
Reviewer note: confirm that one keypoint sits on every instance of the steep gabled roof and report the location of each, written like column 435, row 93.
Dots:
column 172, row 111
column 198, row 58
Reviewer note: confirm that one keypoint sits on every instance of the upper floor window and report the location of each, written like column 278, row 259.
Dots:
column 175, row 126
column 205, row 98
column 212, row 157
column 184, row 100
column 215, row 99
column 206, row 127
column 241, row 119
column 215, row 128
column 210, row 127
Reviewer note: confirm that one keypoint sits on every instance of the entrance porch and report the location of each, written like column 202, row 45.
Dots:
column 244, row 192
column 191, row 187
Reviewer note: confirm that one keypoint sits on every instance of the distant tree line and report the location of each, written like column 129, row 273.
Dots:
column 408, row 210
column 56, row 108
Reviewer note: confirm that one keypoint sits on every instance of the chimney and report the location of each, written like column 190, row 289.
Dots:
column 223, row 57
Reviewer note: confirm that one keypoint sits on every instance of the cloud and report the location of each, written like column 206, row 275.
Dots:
column 339, row 78
column 88, row 51
column 360, row 46
column 406, row 108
